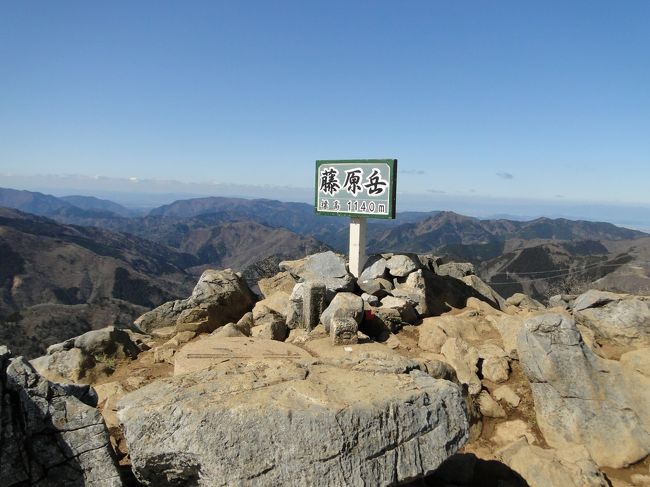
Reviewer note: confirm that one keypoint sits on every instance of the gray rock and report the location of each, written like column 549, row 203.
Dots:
column 327, row 268
column 219, row 297
column 581, row 398
column 621, row 318
column 375, row 268
column 306, row 304
column 50, row 434
column 560, row 301
column 376, row 287
column 414, row 288
column 262, row 423
column 370, row 299
column 438, row 369
column 88, row 356
column 486, row 291
column 456, row 269
column 402, row 265
column 594, row 298
column 295, row 307
column 430, row 262
column 344, row 305
column 313, row 302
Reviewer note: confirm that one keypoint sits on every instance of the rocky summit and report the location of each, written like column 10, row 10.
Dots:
column 416, row 373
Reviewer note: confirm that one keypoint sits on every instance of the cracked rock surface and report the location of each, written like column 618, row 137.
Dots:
column 305, row 422
column 583, row 399
column 50, row 434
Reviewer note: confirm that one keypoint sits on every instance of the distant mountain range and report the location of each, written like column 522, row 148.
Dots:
column 101, row 262
column 58, row 280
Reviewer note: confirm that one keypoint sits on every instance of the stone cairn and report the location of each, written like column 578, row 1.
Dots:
column 392, row 291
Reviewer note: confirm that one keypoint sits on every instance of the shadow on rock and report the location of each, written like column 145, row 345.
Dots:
column 466, row 470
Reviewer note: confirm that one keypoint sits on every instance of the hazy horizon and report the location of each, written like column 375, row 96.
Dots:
column 150, row 193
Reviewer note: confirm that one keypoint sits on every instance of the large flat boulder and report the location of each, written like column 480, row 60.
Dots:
column 583, row 399
column 265, row 423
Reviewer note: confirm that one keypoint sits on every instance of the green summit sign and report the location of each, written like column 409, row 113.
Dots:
column 358, row 188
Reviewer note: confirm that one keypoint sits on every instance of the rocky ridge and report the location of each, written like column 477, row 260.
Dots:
column 378, row 380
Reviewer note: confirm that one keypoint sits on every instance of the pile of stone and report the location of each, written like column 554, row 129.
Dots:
column 393, row 290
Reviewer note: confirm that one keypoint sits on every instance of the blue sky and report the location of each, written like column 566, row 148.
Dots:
column 543, row 100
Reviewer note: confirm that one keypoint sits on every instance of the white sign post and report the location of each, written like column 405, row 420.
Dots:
column 360, row 189
column 357, row 245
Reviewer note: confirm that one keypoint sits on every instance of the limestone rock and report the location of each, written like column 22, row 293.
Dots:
column 435, row 330
column 567, row 467
column 219, row 297
column 277, row 302
column 495, row 369
column 261, row 424
column 464, row 359
column 401, row 265
column 51, row 434
column 621, row 318
column 437, row 368
column 306, row 304
column 495, row 366
column 403, row 306
column 524, row 301
column 245, row 324
column 564, row 301
column 344, row 305
column 376, row 287
column 327, row 268
column 486, row 291
column 280, row 282
column 86, row 357
column 581, row 398
column 509, row 328
column 489, row 407
column 508, row 432
column 229, row 330
column 271, row 327
column 457, row 270
column 506, row 394
column 370, row 299
column 295, row 307
column 374, row 268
